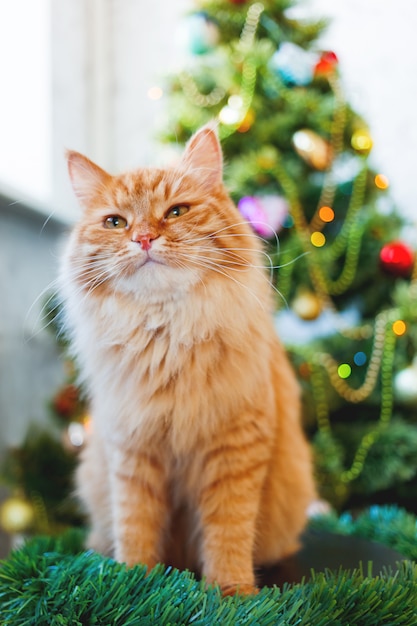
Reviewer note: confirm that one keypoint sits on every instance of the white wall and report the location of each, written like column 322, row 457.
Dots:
column 107, row 55
column 376, row 42
column 25, row 103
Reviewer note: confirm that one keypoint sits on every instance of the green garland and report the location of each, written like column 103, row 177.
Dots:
column 51, row 581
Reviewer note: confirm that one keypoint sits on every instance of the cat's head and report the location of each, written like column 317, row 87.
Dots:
column 157, row 230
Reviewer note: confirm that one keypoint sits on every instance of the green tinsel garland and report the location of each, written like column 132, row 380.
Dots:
column 51, row 581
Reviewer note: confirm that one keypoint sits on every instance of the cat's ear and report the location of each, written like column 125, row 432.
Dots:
column 87, row 178
column 204, row 154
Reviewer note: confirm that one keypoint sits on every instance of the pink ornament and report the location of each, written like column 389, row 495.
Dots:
column 266, row 214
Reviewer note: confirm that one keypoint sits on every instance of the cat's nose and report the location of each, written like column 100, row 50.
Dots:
column 145, row 240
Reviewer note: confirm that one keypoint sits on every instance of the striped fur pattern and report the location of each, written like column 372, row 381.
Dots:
column 197, row 457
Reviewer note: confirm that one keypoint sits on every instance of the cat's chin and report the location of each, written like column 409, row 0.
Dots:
column 155, row 281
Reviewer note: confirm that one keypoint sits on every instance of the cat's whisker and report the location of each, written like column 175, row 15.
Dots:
column 91, row 277
column 185, row 266
column 216, row 267
column 225, row 263
column 232, row 235
column 43, row 313
column 53, row 284
column 233, row 251
column 245, row 266
column 234, row 261
column 252, row 235
column 234, row 225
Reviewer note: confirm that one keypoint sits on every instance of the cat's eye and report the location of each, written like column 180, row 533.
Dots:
column 115, row 221
column 177, row 211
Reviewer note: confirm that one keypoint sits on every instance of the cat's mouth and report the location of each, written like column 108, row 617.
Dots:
column 150, row 259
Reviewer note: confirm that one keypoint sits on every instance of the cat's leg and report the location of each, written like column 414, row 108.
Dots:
column 232, row 478
column 289, row 486
column 287, row 493
column 93, row 489
column 140, row 506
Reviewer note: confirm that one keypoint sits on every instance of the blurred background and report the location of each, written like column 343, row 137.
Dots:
column 90, row 75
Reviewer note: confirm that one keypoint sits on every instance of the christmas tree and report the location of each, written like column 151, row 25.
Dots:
column 299, row 167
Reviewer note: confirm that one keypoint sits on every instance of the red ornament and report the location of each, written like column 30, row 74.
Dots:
column 326, row 64
column 397, row 259
column 66, row 402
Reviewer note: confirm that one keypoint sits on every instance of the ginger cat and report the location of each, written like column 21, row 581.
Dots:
column 197, row 458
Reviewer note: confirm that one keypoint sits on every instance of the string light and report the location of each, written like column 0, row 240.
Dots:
column 155, row 93
column 344, row 370
column 326, row 214
column 365, row 390
column 192, row 92
column 381, row 361
column 385, row 415
column 399, row 328
column 381, row 181
column 247, row 122
column 318, row 239
column 230, row 115
column 247, row 90
column 360, row 358
column 251, row 24
column 361, row 141
column 328, row 191
column 347, row 242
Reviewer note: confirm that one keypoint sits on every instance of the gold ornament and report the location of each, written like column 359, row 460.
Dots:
column 307, row 305
column 16, row 515
column 313, row 149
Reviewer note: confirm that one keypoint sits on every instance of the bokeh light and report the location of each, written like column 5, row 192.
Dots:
column 399, row 327
column 318, row 239
column 360, row 358
column 381, row 181
column 155, row 93
column 344, row 370
column 326, row 214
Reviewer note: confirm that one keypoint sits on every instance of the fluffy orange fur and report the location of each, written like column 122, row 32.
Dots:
column 197, row 457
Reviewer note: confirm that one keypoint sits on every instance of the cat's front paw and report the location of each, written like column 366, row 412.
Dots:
column 243, row 589
column 98, row 542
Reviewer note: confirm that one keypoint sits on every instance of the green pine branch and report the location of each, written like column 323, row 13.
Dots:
column 53, row 582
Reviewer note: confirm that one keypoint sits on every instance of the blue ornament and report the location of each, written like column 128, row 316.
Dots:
column 294, row 65
column 360, row 358
column 201, row 34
